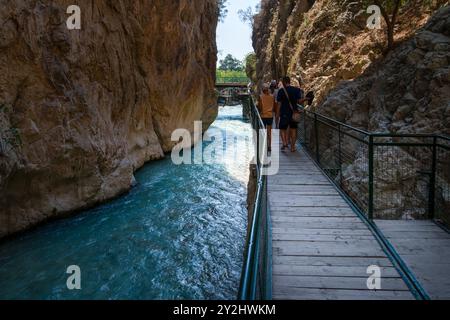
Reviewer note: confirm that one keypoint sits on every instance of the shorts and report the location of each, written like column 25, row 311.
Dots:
column 286, row 122
column 267, row 121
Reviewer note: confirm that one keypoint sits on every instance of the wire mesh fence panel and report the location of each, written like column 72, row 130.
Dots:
column 306, row 133
column 301, row 131
column 388, row 176
column 345, row 160
column 354, row 178
column 328, row 148
column 403, row 174
column 442, row 190
column 342, row 153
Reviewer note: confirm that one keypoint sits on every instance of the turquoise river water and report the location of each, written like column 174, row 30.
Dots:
column 179, row 234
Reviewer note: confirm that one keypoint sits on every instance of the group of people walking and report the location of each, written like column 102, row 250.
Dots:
column 279, row 102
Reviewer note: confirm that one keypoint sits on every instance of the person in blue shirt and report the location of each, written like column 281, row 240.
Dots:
column 286, row 111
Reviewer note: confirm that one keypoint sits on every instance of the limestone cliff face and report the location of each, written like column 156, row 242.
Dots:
column 327, row 43
column 81, row 110
column 406, row 92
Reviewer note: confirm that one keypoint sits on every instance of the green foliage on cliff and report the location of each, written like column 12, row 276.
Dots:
column 9, row 139
column 391, row 11
column 222, row 9
column 14, row 138
column 248, row 15
column 9, row 136
column 250, row 67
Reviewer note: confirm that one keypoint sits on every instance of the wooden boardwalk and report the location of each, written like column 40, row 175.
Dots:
column 425, row 248
column 321, row 248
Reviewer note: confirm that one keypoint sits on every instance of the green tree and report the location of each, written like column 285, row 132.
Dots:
column 222, row 9
column 390, row 11
column 248, row 15
column 230, row 63
column 250, row 66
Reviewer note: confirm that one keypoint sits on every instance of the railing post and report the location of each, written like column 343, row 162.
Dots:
column 316, row 130
column 371, row 168
column 340, row 155
column 432, row 195
column 304, row 128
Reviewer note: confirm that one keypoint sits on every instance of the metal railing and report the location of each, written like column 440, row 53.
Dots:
column 256, row 283
column 229, row 80
column 389, row 176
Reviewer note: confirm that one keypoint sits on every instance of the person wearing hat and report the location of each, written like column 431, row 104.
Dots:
column 273, row 86
column 266, row 107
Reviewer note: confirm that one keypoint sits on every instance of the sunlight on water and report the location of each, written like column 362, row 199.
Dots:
column 238, row 139
column 179, row 234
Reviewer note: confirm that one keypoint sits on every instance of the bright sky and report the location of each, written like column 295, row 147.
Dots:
column 234, row 36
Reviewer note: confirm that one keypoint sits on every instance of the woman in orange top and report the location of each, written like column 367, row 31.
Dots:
column 266, row 107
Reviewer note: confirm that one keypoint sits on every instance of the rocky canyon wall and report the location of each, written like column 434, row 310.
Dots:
column 407, row 92
column 325, row 41
column 81, row 110
column 328, row 44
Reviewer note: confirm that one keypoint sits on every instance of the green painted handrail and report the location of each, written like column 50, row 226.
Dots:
column 256, row 279
column 226, row 80
column 437, row 142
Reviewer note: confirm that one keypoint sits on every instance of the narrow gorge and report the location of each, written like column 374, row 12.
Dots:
column 224, row 149
column 88, row 180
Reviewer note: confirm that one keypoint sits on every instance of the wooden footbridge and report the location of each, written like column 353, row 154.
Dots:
column 317, row 230
column 232, row 82
column 232, row 90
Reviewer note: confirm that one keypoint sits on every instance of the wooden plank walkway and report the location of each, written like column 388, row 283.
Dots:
column 425, row 248
column 321, row 249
